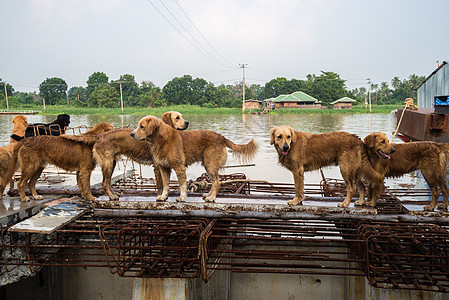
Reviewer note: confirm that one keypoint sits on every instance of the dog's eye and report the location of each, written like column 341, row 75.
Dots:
column 382, row 142
column 288, row 136
column 279, row 137
column 141, row 126
column 177, row 118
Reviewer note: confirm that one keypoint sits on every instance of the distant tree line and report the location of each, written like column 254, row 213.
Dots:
column 100, row 91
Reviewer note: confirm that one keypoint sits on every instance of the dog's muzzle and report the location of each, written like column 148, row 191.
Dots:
column 284, row 149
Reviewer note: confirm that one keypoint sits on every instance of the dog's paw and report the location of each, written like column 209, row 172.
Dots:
column 209, row 199
column 342, row 204
column 161, row 198
column 359, row 203
column 442, row 206
column 180, row 199
column 38, row 197
column 294, row 202
column 429, row 208
column 370, row 203
column 25, row 199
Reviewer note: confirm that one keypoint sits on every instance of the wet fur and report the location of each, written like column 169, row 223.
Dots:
column 57, row 127
column 119, row 142
column 429, row 157
column 176, row 150
column 308, row 152
column 34, row 153
column 20, row 123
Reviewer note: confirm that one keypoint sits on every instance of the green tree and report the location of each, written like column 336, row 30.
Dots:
column 276, row 87
column 94, row 80
column 384, row 92
column 78, row 96
column 328, row 87
column 150, row 95
column 395, row 82
column 130, row 89
column 104, row 95
column 53, row 90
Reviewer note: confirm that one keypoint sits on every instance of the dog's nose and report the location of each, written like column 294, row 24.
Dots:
column 392, row 150
column 132, row 133
column 187, row 123
column 285, row 147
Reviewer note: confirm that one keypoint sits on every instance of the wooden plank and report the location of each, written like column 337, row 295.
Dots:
column 52, row 218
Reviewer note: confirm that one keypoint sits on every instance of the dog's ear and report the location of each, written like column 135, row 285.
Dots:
column 166, row 118
column 273, row 130
column 152, row 126
column 292, row 134
column 370, row 140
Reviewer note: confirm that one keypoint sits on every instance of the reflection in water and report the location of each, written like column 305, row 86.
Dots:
column 242, row 128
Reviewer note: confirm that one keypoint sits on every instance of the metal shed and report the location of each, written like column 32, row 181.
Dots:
column 435, row 85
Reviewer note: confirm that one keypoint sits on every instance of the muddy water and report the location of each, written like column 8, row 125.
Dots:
column 242, row 128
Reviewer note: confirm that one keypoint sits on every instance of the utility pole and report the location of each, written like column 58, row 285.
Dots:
column 6, row 95
column 243, row 103
column 121, row 95
column 369, row 94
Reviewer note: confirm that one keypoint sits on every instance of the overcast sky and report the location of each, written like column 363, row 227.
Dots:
column 357, row 39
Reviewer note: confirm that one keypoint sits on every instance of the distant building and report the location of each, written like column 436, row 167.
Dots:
column 252, row 104
column 296, row 100
column 343, row 103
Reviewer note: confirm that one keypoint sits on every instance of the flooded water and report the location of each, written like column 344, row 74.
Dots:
column 242, row 128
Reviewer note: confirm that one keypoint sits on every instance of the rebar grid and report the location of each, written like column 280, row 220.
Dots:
column 392, row 255
column 406, row 256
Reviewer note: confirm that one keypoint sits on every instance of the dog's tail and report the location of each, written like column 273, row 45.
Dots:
column 91, row 136
column 85, row 139
column 244, row 153
column 444, row 155
column 13, row 166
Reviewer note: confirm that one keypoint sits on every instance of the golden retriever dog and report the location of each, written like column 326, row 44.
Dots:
column 300, row 152
column 34, row 153
column 119, row 142
column 172, row 149
column 395, row 160
column 18, row 133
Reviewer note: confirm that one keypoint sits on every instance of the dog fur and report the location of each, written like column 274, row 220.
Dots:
column 18, row 133
column 34, row 153
column 57, row 127
column 176, row 150
column 119, row 142
column 395, row 160
column 300, row 152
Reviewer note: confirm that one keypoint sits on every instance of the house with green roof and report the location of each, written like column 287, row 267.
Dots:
column 343, row 103
column 296, row 100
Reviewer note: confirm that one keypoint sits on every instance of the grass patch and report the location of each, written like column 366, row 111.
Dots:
column 194, row 109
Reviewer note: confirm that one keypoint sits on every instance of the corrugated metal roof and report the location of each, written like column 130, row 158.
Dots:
column 344, row 99
column 296, row 97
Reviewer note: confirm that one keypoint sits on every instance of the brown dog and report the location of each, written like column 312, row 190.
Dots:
column 34, row 153
column 117, row 142
column 176, row 150
column 18, row 133
column 395, row 160
column 300, row 152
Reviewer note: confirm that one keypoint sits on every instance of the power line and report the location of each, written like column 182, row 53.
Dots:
column 190, row 42
column 191, row 36
column 231, row 64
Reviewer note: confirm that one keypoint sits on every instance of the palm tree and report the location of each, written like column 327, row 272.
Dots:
column 395, row 82
column 384, row 92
